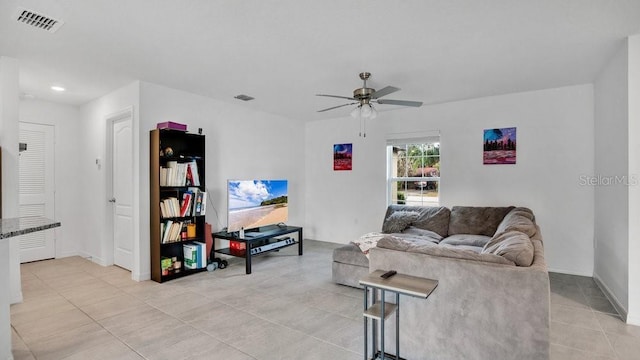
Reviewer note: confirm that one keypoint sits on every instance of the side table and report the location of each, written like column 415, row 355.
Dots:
column 380, row 310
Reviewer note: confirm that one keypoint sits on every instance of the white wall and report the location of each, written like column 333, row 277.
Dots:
column 68, row 201
column 555, row 149
column 611, row 159
column 95, row 226
column 633, row 315
column 240, row 144
column 9, row 257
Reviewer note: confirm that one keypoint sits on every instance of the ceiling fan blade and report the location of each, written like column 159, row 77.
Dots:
column 336, row 96
column 335, row 107
column 384, row 91
column 400, row 102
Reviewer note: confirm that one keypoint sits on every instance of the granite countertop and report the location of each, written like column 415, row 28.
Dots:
column 24, row 225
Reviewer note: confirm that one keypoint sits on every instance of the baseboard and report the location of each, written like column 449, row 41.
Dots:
column 569, row 272
column 141, row 277
column 633, row 320
column 94, row 259
column 16, row 298
column 611, row 297
column 67, row 254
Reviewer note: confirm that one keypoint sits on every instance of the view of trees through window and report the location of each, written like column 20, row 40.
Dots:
column 414, row 174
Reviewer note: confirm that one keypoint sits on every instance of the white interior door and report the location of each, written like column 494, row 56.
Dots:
column 36, row 189
column 122, row 185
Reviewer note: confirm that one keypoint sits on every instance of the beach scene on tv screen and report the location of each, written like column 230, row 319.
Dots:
column 256, row 203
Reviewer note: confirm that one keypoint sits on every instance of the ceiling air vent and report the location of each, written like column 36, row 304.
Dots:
column 243, row 97
column 38, row 21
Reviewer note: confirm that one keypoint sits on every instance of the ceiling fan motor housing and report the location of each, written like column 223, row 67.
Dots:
column 363, row 94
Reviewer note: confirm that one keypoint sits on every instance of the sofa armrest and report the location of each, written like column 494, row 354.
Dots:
column 478, row 311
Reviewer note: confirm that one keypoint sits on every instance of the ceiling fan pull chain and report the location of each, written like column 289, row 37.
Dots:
column 364, row 125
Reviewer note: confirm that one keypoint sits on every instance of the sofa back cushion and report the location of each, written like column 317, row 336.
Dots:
column 433, row 218
column 519, row 219
column 512, row 245
column 476, row 220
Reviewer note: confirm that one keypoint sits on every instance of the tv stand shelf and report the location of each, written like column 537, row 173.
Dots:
column 259, row 244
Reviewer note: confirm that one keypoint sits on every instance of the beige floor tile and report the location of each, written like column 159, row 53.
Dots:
column 559, row 352
column 569, row 295
column 164, row 334
column 591, row 341
column 113, row 306
column 612, row 324
column 261, row 338
column 109, row 350
column 91, row 293
column 66, row 343
column 36, row 330
column 19, row 349
column 626, row 347
column 184, row 303
column 287, row 309
column 36, row 310
column 575, row 316
column 132, row 320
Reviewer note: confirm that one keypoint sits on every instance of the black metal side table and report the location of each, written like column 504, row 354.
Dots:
column 380, row 310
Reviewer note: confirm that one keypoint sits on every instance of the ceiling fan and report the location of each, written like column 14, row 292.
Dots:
column 365, row 97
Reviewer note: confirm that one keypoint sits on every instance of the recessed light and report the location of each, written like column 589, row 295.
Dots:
column 57, row 88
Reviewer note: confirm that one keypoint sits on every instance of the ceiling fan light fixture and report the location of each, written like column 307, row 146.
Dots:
column 374, row 112
column 357, row 112
column 366, row 111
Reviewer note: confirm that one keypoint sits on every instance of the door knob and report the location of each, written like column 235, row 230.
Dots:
column 112, row 200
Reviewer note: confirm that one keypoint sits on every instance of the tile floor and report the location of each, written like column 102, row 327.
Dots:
column 287, row 309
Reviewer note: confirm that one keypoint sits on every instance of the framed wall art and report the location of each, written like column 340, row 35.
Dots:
column 342, row 154
column 499, row 146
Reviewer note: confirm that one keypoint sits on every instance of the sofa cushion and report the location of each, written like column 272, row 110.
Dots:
column 512, row 245
column 433, row 218
column 476, row 220
column 350, row 254
column 466, row 239
column 413, row 231
column 429, row 248
column 398, row 221
column 519, row 219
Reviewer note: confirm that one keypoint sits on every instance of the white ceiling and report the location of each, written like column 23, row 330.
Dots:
column 283, row 52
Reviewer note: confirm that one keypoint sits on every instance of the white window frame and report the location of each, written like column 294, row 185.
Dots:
column 429, row 138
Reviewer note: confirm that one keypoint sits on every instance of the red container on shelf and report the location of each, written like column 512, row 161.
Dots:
column 237, row 245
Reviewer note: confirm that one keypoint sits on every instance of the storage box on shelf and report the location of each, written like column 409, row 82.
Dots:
column 177, row 204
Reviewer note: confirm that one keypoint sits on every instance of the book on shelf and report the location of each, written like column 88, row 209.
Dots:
column 200, row 203
column 194, row 170
column 202, row 254
column 185, row 208
column 172, row 231
column 180, row 174
column 190, row 253
column 167, row 230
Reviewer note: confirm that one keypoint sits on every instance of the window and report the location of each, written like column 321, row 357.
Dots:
column 413, row 168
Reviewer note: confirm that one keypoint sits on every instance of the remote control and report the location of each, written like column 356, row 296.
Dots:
column 388, row 274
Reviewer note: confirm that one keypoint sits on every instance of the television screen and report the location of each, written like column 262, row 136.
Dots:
column 256, row 203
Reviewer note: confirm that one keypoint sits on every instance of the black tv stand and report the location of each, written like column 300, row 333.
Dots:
column 262, row 242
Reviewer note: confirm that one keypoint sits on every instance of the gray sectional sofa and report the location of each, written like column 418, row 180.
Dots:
column 492, row 301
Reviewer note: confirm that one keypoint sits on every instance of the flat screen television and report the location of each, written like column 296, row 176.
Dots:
column 254, row 204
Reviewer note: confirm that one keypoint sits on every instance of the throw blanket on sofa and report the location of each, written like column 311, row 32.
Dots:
column 368, row 241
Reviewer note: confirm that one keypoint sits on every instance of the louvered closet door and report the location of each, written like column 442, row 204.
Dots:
column 36, row 189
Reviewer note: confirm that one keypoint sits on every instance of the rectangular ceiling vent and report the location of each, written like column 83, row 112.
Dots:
column 38, row 21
